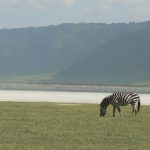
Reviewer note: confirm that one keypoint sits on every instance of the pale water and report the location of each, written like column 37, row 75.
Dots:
column 59, row 97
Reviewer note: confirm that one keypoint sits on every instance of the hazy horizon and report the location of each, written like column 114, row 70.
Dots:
column 36, row 13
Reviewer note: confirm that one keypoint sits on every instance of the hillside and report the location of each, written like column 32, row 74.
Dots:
column 122, row 61
column 73, row 53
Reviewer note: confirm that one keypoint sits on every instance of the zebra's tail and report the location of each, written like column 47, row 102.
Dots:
column 139, row 105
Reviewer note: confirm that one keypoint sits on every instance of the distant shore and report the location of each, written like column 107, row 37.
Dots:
column 74, row 87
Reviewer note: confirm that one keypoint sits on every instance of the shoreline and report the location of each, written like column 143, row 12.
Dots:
column 59, row 97
column 73, row 87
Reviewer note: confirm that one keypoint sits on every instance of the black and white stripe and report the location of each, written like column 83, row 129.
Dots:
column 120, row 99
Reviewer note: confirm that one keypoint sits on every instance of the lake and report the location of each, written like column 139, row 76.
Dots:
column 59, row 97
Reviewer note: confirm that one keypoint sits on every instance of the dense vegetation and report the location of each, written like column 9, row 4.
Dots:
column 124, row 60
column 45, row 126
column 106, row 53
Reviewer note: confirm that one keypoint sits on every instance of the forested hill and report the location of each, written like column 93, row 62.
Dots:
column 76, row 53
column 125, row 60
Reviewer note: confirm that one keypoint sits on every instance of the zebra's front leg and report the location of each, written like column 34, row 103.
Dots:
column 119, row 110
column 114, row 110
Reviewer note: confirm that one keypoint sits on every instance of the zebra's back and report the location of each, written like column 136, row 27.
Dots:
column 125, row 98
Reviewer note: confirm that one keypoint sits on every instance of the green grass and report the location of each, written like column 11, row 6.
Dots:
column 48, row 126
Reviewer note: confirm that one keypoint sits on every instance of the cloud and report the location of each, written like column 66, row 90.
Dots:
column 118, row 10
column 5, row 4
column 45, row 4
column 69, row 2
column 109, row 4
column 38, row 4
column 84, row 10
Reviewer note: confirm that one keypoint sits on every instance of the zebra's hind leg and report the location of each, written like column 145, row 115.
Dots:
column 134, row 109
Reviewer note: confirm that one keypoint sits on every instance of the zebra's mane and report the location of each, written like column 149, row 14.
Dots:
column 106, row 101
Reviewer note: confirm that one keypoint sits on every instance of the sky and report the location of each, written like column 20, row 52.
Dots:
column 28, row 13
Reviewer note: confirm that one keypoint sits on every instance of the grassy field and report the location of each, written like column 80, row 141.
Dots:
column 48, row 126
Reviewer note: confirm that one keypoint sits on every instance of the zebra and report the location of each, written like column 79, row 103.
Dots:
column 120, row 99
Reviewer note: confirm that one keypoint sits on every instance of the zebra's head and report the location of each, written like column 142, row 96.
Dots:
column 102, row 111
column 103, row 106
